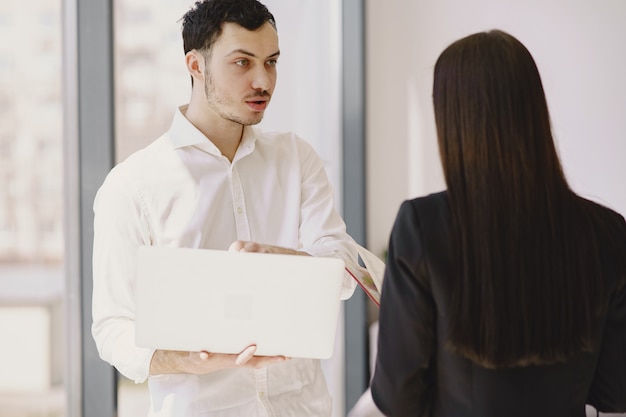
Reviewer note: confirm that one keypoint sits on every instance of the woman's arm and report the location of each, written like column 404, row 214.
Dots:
column 403, row 382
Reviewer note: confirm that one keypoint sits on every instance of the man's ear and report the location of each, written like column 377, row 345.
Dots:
column 195, row 64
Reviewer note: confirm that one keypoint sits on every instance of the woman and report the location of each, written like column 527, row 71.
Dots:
column 506, row 294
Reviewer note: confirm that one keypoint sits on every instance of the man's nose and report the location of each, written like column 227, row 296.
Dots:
column 262, row 79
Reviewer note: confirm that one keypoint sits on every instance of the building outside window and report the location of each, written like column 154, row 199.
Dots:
column 31, row 210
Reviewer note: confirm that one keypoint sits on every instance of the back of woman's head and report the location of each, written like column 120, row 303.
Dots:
column 526, row 265
column 492, row 118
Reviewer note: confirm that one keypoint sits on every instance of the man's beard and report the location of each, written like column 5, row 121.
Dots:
column 220, row 103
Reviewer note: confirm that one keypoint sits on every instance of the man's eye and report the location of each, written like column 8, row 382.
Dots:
column 242, row 62
column 272, row 62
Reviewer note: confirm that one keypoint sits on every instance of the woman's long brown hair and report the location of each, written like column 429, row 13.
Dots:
column 528, row 267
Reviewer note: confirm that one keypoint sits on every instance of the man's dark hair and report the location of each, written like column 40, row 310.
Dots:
column 202, row 24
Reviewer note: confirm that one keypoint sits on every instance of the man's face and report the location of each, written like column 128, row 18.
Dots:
column 240, row 73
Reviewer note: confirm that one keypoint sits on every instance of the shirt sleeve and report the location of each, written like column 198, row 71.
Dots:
column 322, row 230
column 403, row 381
column 119, row 228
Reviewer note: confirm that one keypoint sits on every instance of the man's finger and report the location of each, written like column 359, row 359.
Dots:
column 236, row 246
column 246, row 355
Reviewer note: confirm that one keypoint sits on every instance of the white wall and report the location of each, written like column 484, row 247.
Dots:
column 579, row 49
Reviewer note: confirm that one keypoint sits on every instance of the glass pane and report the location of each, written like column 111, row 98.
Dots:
column 152, row 81
column 150, row 74
column 31, row 210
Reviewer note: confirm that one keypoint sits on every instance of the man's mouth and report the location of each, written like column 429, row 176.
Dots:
column 257, row 105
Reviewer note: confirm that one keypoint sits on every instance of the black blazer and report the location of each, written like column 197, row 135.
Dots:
column 416, row 376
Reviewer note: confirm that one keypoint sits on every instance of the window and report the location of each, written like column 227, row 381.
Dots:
column 151, row 81
column 31, row 210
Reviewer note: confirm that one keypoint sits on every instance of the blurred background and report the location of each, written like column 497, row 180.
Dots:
column 578, row 46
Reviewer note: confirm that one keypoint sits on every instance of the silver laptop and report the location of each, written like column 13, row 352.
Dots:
column 220, row 301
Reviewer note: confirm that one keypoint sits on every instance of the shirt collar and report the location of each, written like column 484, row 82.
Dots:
column 183, row 133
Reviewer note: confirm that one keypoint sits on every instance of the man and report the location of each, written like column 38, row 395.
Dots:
column 213, row 181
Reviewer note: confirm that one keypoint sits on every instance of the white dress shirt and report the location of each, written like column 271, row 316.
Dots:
column 181, row 191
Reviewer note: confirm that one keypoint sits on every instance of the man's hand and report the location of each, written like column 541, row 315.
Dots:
column 198, row 363
column 246, row 246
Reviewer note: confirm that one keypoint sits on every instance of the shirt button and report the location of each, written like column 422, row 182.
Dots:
column 239, row 210
column 261, row 394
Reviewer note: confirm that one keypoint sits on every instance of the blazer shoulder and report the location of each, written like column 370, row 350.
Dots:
column 429, row 208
